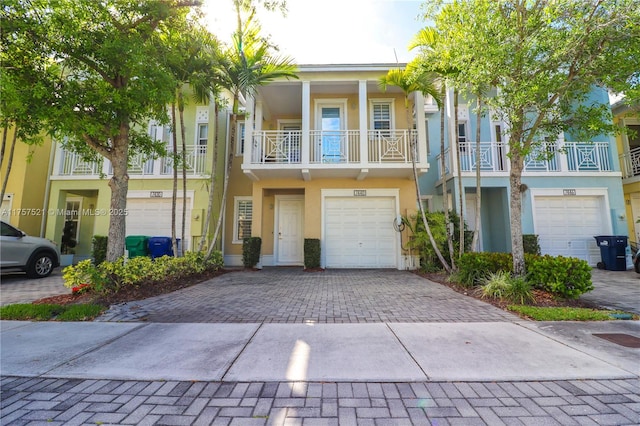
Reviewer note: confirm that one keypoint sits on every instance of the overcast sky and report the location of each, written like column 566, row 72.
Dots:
column 332, row 31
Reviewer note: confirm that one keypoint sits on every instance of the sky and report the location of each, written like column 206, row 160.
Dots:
column 332, row 31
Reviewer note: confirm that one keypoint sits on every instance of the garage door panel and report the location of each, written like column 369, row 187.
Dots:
column 152, row 217
column 359, row 232
column 566, row 226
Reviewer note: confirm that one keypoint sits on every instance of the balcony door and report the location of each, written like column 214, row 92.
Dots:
column 331, row 143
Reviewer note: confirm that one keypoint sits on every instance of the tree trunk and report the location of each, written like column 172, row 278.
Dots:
column 515, row 204
column 460, row 186
column 212, row 182
column 174, row 193
column 475, row 246
column 119, row 185
column 227, row 173
column 183, row 135
column 414, row 155
column 9, row 164
column 443, row 166
column 5, row 130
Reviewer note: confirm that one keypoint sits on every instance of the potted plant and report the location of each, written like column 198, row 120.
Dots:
column 68, row 243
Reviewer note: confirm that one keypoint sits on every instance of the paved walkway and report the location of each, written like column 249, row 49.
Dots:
column 290, row 295
column 75, row 402
column 17, row 288
column 615, row 290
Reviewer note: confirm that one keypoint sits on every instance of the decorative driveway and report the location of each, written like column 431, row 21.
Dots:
column 290, row 295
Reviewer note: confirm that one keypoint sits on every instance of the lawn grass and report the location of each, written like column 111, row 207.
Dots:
column 563, row 313
column 46, row 312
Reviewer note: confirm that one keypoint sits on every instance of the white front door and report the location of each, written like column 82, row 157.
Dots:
column 289, row 238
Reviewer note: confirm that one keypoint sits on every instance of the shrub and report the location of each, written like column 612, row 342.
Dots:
column 251, row 251
column 520, row 290
column 99, row 248
column 495, row 284
column 564, row 276
column 111, row 276
column 473, row 267
column 531, row 244
column 311, row 253
column 420, row 240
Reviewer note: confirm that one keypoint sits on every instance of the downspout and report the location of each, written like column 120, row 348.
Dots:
column 47, row 188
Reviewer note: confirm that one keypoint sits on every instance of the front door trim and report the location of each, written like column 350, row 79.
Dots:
column 276, row 230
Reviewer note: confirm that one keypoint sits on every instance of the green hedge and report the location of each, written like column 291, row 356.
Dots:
column 112, row 276
column 99, row 251
column 251, row 251
column 567, row 277
column 531, row 244
column 311, row 253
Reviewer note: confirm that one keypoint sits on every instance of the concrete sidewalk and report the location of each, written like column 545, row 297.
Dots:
column 391, row 352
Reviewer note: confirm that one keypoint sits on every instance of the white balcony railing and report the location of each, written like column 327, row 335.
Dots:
column 71, row 164
column 332, row 146
column 630, row 162
column 546, row 158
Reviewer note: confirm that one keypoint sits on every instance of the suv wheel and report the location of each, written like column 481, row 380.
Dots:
column 40, row 266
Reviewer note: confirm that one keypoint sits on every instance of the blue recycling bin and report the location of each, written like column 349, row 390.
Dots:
column 161, row 246
column 613, row 251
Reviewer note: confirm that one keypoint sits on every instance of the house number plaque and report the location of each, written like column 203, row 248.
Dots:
column 155, row 194
column 359, row 192
column 568, row 192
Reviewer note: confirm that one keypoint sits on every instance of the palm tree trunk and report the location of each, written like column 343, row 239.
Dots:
column 459, row 173
column 227, row 173
column 414, row 155
column 443, row 165
column 183, row 135
column 174, row 193
column 212, row 182
column 9, row 163
column 476, row 231
column 5, row 130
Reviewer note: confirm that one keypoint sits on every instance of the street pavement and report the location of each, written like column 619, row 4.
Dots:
column 430, row 364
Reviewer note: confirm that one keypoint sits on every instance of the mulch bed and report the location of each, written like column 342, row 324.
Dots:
column 541, row 298
column 142, row 291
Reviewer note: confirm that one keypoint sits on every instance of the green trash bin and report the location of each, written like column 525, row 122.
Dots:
column 136, row 245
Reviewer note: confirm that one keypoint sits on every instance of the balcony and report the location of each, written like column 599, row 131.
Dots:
column 630, row 163
column 548, row 158
column 70, row 164
column 332, row 153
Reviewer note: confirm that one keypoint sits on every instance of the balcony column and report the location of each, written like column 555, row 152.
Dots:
column 362, row 120
column 421, row 128
column 58, row 162
column 563, row 164
column 306, row 123
column 250, row 119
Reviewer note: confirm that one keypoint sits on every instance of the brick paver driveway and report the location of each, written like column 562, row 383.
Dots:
column 289, row 295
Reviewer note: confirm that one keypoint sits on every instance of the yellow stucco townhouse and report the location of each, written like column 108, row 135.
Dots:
column 326, row 156
column 25, row 198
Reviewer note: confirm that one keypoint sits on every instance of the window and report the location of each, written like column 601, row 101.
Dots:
column 462, row 132
column 633, row 136
column 243, row 216
column 203, row 139
column 382, row 116
column 240, row 138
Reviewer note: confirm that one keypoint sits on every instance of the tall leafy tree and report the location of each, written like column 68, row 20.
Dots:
column 27, row 82
column 410, row 81
column 545, row 57
column 251, row 61
column 110, row 84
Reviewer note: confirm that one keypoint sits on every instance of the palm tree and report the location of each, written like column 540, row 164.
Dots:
column 247, row 64
column 410, row 80
column 190, row 57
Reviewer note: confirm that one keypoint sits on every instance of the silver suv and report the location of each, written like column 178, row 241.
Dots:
column 18, row 251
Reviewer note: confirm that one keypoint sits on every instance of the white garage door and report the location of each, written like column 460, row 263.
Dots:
column 566, row 226
column 152, row 217
column 359, row 232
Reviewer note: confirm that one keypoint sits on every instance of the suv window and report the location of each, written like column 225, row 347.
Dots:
column 9, row 231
